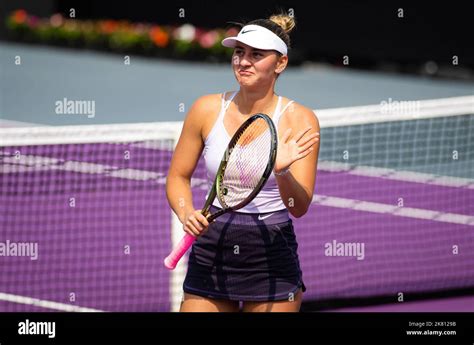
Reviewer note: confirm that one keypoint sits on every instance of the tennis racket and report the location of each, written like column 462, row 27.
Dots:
column 247, row 163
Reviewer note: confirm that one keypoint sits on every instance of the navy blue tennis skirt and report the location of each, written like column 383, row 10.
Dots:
column 246, row 257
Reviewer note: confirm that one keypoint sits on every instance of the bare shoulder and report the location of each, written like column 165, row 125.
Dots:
column 205, row 104
column 298, row 116
column 190, row 144
column 201, row 111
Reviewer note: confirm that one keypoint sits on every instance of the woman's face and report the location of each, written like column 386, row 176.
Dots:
column 256, row 67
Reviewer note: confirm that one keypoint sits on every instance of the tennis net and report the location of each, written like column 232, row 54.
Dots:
column 85, row 223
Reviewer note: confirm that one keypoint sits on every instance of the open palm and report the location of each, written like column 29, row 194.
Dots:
column 291, row 150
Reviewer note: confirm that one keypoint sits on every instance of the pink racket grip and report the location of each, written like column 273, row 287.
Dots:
column 177, row 253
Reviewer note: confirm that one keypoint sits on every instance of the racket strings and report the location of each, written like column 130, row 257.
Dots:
column 247, row 163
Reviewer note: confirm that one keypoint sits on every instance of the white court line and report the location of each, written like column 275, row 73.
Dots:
column 408, row 212
column 36, row 163
column 44, row 303
column 397, row 175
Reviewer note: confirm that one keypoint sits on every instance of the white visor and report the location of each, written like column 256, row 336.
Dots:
column 258, row 37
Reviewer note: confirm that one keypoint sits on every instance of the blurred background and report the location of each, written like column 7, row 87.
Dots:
column 92, row 99
column 344, row 54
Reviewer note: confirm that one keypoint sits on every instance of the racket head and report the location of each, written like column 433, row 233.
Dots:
column 247, row 163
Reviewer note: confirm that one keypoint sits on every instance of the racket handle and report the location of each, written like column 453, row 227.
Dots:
column 177, row 253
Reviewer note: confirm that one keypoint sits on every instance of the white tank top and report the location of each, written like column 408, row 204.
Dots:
column 268, row 200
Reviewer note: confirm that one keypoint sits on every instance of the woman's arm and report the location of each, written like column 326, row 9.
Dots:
column 184, row 161
column 300, row 145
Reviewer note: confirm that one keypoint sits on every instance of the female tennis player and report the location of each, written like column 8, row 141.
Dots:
column 249, row 255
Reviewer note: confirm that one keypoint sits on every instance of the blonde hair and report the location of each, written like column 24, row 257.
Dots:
column 286, row 22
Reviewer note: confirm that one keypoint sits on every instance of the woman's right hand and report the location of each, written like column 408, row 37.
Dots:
column 195, row 223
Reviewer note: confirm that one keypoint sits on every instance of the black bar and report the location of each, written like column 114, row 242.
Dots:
column 240, row 328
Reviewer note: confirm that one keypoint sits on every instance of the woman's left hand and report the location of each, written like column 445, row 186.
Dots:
column 292, row 150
